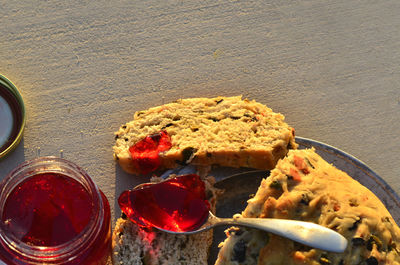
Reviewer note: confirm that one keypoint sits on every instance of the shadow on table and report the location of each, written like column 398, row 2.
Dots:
column 12, row 160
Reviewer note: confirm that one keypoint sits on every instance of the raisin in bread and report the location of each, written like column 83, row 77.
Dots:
column 133, row 245
column 305, row 187
column 227, row 131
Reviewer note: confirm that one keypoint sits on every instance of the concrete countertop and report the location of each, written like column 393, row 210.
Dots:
column 84, row 68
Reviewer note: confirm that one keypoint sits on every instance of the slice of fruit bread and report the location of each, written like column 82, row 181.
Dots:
column 305, row 187
column 225, row 131
column 133, row 245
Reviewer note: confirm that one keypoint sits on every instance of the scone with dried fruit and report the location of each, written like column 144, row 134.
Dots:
column 226, row 131
column 305, row 187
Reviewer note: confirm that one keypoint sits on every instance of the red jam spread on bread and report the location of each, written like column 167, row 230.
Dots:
column 178, row 204
column 145, row 153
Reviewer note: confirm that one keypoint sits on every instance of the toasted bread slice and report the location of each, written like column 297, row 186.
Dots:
column 225, row 131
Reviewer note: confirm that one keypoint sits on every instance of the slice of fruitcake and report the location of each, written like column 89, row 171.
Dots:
column 305, row 187
column 226, row 131
column 133, row 245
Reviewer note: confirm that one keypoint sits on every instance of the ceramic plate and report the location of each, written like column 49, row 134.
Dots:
column 238, row 187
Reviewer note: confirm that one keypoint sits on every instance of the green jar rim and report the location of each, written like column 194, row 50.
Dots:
column 11, row 145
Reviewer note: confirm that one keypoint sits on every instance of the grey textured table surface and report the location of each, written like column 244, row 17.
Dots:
column 83, row 67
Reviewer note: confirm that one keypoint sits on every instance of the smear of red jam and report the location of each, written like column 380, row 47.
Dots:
column 47, row 209
column 145, row 153
column 178, row 204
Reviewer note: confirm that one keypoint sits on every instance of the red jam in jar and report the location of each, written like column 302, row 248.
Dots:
column 47, row 209
column 178, row 204
column 52, row 212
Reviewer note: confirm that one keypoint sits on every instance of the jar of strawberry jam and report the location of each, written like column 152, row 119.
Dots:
column 53, row 213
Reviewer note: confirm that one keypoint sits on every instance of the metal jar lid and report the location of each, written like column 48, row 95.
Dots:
column 12, row 116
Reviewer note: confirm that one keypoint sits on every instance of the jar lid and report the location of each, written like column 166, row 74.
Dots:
column 12, row 116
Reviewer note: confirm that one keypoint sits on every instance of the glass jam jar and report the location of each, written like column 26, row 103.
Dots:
column 51, row 212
